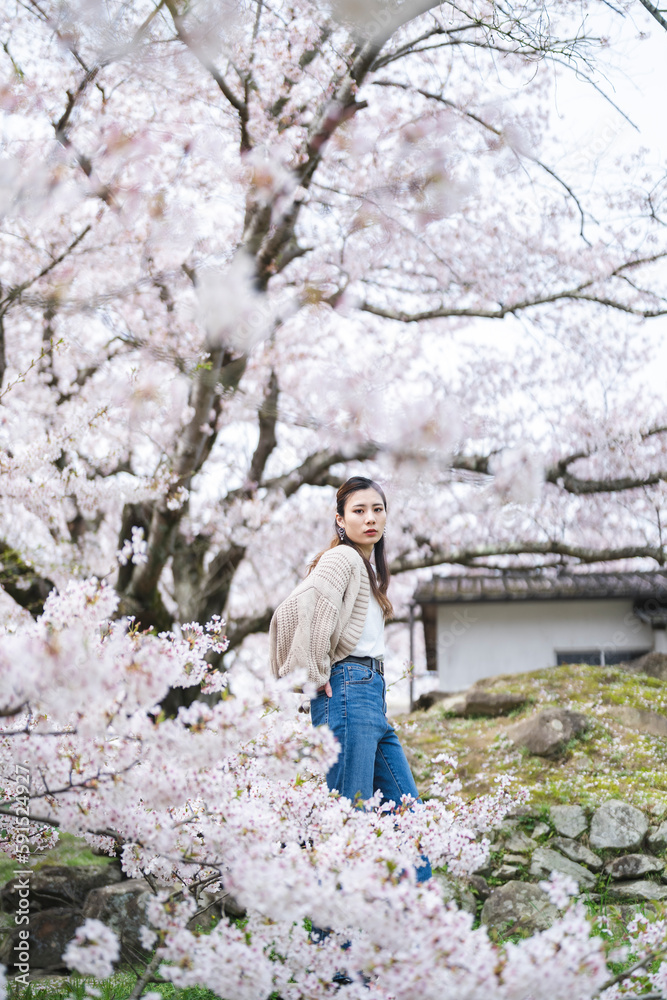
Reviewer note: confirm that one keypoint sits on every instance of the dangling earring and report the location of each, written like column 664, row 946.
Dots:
column 341, row 532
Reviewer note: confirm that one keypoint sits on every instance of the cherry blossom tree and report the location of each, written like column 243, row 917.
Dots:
column 248, row 251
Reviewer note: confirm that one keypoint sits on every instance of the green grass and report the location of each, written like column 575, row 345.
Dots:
column 608, row 921
column 69, row 850
column 117, row 987
column 610, row 760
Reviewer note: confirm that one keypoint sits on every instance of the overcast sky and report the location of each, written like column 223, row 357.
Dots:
column 636, row 81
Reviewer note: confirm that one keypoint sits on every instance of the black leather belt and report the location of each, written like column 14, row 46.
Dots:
column 367, row 661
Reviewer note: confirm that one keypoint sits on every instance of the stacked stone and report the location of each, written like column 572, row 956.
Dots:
column 630, row 869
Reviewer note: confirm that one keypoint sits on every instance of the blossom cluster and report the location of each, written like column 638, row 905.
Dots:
column 230, row 797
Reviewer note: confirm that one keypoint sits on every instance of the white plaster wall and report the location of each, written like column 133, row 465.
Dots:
column 481, row 640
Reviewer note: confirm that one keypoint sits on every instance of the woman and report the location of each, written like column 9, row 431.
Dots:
column 333, row 624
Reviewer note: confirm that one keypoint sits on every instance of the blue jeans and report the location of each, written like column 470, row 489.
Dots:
column 371, row 756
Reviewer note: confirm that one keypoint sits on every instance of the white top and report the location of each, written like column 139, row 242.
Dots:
column 371, row 640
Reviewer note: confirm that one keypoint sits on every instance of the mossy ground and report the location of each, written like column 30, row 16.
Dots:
column 117, row 987
column 610, row 760
column 68, row 851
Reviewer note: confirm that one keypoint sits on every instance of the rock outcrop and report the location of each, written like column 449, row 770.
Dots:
column 474, row 701
column 489, row 703
column 652, row 664
column 60, row 885
column 642, row 720
column 547, row 733
column 575, row 851
column 122, row 907
column 50, row 932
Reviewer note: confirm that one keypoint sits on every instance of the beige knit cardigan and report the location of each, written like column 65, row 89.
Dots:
column 322, row 619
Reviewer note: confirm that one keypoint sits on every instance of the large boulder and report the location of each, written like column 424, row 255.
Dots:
column 59, row 885
column 570, row 821
column 50, row 931
column 642, row 720
column 617, row 824
column 474, row 701
column 489, row 703
column 634, row 866
column 545, row 861
column 122, row 907
column 547, row 733
column 518, row 907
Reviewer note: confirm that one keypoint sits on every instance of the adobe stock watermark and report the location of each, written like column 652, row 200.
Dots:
column 598, row 142
column 22, row 885
column 462, row 621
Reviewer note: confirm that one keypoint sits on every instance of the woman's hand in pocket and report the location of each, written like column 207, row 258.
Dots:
column 326, row 688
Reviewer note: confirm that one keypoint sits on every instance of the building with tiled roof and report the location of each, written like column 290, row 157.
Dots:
column 480, row 624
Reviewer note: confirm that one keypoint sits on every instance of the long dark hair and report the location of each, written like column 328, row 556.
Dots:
column 379, row 583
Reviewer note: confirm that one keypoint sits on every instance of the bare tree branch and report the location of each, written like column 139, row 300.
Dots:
column 654, row 12
column 497, row 132
column 314, row 468
column 469, row 557
column 237, row 103
column 14, row 294
column 576, row 294
column 559, row 473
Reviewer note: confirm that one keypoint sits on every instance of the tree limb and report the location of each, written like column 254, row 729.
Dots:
column 315, row 468
column 267, row 418
column 468, row 557
column 250, row 625
column 237, row 103
column 654, row 12
column 576, row 294
column 497, row 132
column 559, row 474
column 14, row 294
column 223, row 372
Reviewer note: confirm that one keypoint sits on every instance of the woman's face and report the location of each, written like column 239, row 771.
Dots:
column 364, row 519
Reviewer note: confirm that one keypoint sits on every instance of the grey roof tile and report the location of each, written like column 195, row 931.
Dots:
column 540, row 586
